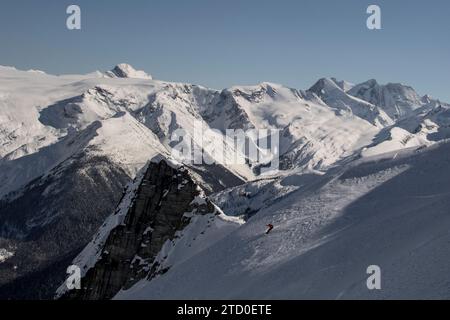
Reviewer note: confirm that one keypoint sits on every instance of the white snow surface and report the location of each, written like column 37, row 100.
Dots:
column 5, row 255
column 390, row 211
column 333, row 215
column 46, row 119
column 202, row 232
column 396, row 99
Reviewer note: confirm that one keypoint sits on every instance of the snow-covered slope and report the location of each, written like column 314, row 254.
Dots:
column 42, row 117
column 396, row 99
column 312, row 134
column 344, row 85
column 390, row 211
column 334, row 96
column 68, row 144
column 423, row 127
column 70, row 126
column 45, row 119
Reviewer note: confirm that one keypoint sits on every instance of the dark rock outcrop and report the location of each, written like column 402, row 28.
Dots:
column 157, row 211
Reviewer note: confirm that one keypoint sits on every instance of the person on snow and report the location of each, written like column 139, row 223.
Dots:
column 270, row 227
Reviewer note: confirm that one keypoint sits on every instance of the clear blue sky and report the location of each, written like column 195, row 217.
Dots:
column 221, row 43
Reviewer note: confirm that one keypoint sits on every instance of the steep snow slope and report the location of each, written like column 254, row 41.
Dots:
column 380, row 211
column 337, row 98
column 396, row 99
column 93, row 132
column 344, row 85
column 103, row 134
column 21, row 94
column 423, row 127
column 248, row 199
column 176, row 108
column 46, row 119
column 68, row 146
column 312, row 135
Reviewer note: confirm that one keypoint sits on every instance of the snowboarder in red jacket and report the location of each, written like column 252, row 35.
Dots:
column 270, row 227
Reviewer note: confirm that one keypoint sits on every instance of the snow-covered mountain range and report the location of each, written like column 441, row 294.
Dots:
column 70, row 144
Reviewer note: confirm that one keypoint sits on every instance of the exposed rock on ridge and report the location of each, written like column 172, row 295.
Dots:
column 165, row 202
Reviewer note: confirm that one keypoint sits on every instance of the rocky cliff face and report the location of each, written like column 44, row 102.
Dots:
column 164, row 202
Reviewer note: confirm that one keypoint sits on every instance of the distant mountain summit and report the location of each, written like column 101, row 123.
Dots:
column 344, row 85
column 396, row 99
column 333, row 94
column 124, row 70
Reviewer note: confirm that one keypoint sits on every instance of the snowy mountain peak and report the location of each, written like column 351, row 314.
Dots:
column 370, row 83
column 327, row 84
column 396, row 99
column 344, row 85
column 324, row 86
column 124, row 70
column 335, row 97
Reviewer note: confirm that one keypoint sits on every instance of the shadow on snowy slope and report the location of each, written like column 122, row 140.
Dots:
column 401, row 225
column 390, row 213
